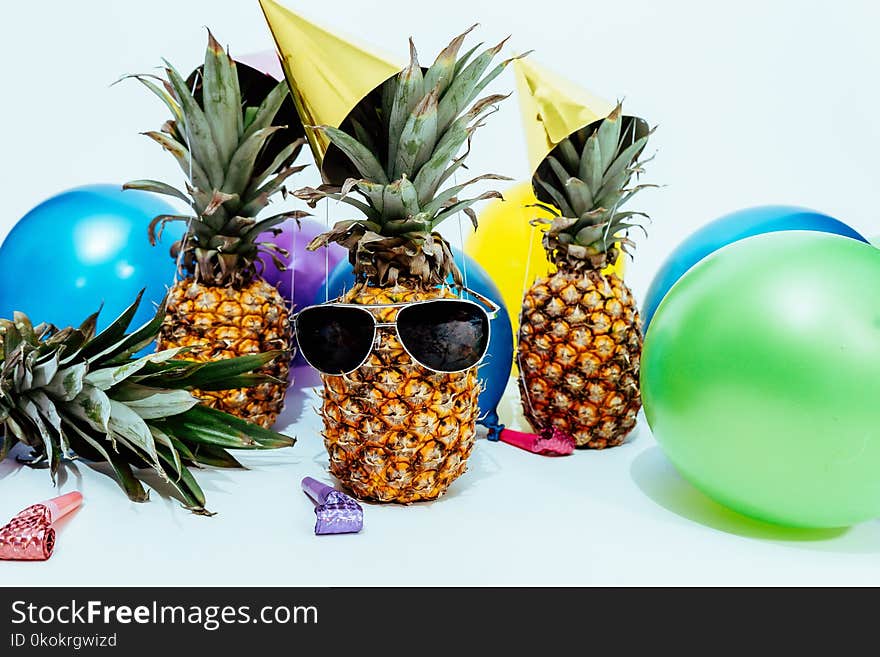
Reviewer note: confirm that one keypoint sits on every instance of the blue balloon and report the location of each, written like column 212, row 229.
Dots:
column 85, row 247
column 495, row 369
column 732, row 228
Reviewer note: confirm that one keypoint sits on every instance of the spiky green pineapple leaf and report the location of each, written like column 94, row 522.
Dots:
column 124, row 422
column 259, row 198
column 428, row 180
column 221, row 99
column 124, row 476
column 569, row 154
column 441, row 72
column 267, row 223
column 68, row 382
column 590, row 168
column 418, row 138
column 185, row 160
column 467, row 85
column 91, row 405
column 163, row 439
column 276, row 167
column 158, row 187
column 558, row 198
column 209, row 421
column 215, row 457
column 561, row 173
column 462, row 206
column 135, row 341
column 114, row 333
column 622, row 162
column 364, row 161
column 197, row 375
column 184, row 483
column 241, row 167
column 608, row 136
column 160, row 92
column 443, row 197
column 153, row 403
column 579, row 196
column 267, row 110
column 196, row 128
column 105, row 378
column 363, row 135
column 50, row 448
column 45, row 369
column 409, row 90
column 375, row 194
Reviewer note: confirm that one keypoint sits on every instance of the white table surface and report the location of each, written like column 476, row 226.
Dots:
column 621, row 516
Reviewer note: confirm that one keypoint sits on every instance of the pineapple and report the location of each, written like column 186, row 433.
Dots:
column 395, row 431
column 580, row 340
column 222, row 308
column 71, row 393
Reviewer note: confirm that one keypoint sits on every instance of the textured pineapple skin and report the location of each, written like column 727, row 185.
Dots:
column 579, row 350
column 223, row 322
column 395, row 431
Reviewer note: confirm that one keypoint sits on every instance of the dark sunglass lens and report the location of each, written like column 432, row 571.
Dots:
column 447, row 336
column 334, row 340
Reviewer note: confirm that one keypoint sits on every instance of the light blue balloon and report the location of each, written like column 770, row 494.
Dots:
column 83, row 248
column 732, row 228
column 495, row 369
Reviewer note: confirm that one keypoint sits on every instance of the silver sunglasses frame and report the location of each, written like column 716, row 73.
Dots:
column 491, row 313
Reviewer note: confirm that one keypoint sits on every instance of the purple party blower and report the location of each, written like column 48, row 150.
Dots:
column 336, row 512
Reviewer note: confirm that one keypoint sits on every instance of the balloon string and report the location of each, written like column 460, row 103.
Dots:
column 464, row 258
column 186, row 134
column 292, row 261
column 523, row 384
column 525, row 282
column 327, row 254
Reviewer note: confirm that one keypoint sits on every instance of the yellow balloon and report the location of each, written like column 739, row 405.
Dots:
column 510, row 249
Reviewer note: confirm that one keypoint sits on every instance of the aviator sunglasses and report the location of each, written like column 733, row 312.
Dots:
column 442, row 335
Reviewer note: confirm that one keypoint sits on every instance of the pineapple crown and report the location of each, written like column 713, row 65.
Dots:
column 586, row 180
column 401, row 144
column 74, row 393
column 221, row 140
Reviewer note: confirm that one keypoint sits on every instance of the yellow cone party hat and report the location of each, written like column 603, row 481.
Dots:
column 552, row 108
column 328, row 75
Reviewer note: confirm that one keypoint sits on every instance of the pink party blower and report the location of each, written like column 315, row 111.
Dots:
column 550, row 442
column 30, row 536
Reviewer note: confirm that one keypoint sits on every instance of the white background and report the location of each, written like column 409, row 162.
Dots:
column 757, row 102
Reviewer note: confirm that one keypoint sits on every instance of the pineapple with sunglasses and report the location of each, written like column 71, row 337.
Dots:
column 398, row 352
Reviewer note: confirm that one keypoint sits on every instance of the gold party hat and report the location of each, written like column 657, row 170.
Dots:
column 552, row 108
column 328, row 75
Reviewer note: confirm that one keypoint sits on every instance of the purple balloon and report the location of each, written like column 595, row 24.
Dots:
column 302, row 282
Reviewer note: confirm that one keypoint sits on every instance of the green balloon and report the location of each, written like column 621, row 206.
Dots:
column 761, row 378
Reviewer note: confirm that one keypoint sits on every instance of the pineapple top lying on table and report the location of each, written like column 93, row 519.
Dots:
column 73, row 393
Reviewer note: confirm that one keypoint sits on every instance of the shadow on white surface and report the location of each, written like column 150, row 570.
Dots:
column 660, row 481
column 300, row 397
column 10, row 467
column 481, row 465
